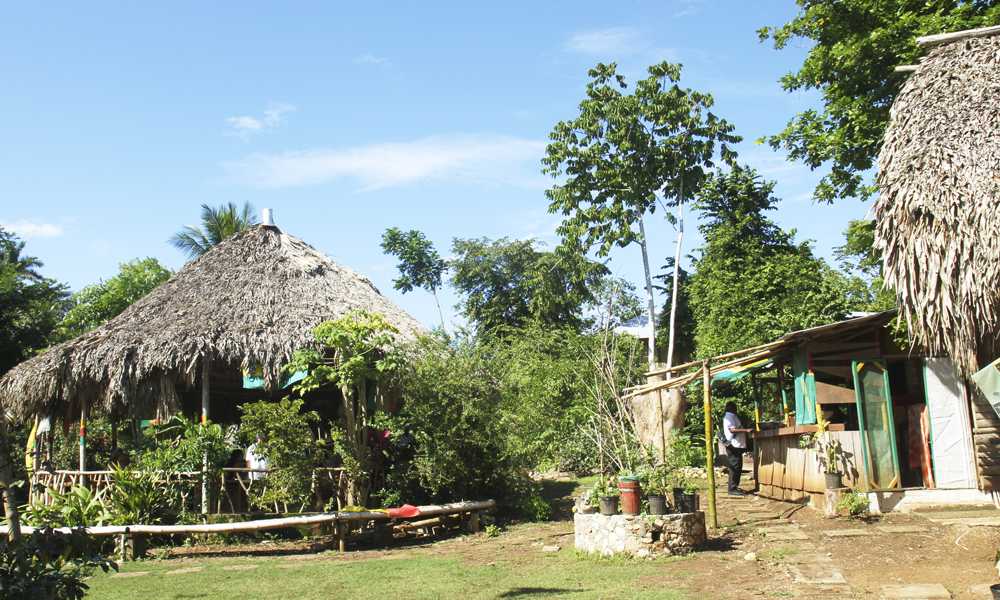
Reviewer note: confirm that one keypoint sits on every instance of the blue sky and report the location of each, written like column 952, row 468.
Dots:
column 121, row 119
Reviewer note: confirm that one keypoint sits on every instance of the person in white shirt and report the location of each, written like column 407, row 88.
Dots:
column 255, row 460
column 736, row 443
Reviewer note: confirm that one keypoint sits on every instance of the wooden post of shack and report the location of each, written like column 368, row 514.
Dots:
column 206, row 366
column 709, row 444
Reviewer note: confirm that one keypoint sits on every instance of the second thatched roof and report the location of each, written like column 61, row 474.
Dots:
column 938, row 213
column 251, row 301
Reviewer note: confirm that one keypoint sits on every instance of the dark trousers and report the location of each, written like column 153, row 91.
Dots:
column 735, row 467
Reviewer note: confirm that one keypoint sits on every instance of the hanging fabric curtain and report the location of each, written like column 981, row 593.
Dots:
column 256, row 381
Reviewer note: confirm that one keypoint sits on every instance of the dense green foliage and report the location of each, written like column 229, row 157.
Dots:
column 216, row 225
column 180, row 446
column 98, row 303
column 510, row 284
column 48, row 566
column 360, row 354
column 288, row 445
column 752, row 283
column 483, row 413
column 854, row 45
column 684, row 334
column 625, row 149
column 30, row 305
column 862, row 264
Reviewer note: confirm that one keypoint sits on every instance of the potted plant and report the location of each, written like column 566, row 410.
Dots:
column 656, row 482
column 828, row 449
column 605, row 494
column 686, row 495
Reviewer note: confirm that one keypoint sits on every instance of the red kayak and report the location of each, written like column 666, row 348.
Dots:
column 404, row 511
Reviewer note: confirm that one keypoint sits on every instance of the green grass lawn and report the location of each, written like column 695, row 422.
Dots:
column 531, row 575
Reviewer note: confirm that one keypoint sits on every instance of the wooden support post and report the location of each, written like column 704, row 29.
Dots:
column 341, row 536
column 756, row 400
column 83, row 435
column 709, row 445
column 474, row 522
column 6, row 478
column 134, row 546
column 784, row 394
column 206, row 366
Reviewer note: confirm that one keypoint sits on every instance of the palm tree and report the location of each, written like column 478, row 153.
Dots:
column 216, row 225
column 10, row 256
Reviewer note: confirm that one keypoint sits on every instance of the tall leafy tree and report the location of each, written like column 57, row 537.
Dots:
column 30, row 305
column 98, row 303
column 862, row 263
column 752, row 283
column 419, row 263
column 854, row 45
column 508, row 283
column 216, row 225
column 627, row 152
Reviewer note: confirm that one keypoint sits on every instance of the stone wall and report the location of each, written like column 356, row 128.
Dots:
column 641, row 536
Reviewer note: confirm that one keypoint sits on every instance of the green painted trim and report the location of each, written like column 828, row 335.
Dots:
column 861, row 423
column 930, row 423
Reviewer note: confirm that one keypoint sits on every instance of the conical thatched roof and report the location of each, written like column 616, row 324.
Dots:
column 939, row 211
column 251, row 301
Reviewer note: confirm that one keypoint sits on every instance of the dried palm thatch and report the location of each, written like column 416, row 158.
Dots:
column 938, row 213
column 251, row 301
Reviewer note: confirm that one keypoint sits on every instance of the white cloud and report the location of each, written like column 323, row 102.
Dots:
column 467, row 158
column 372, row 60
column 615, row 41
column 33, row 229
column 274, row 116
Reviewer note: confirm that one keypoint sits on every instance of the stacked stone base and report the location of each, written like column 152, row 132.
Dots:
column 640, row 537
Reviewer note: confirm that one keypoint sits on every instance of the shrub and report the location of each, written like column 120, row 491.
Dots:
column 136, row 498
column 180, row 446
column 855, row 502
column 78, row 507
column 47, row 566
column 289, row 447
column 533, row 508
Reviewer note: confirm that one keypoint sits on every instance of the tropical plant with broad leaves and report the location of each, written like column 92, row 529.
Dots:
column 361, row 353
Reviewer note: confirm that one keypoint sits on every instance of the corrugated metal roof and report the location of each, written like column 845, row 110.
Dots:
column 638, row 327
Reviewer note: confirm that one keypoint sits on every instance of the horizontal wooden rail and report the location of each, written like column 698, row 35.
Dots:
column 261, row 524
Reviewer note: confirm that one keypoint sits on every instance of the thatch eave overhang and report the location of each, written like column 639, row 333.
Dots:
column 938, row 213
column 251, row 301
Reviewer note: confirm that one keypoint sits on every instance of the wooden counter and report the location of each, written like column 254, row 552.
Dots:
column 797, row 430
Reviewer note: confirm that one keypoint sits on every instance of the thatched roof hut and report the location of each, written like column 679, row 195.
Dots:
column 938, row 214
column 250, row 302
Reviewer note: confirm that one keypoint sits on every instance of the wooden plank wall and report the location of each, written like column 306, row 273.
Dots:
column 788, row 472
column 986, row 438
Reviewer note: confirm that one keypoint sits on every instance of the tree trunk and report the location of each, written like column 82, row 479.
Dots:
column 6, row 476
column 673, row 417
column 677, row 270
column 440, row 314
column 649, row 296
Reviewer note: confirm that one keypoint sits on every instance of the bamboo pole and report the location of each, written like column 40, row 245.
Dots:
column 83, row 440
column 265, row 524
column 672, row 383
column 944, row 38
column 714, row 358
column 206, row 366
column 709, row 446
column 756, row 400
